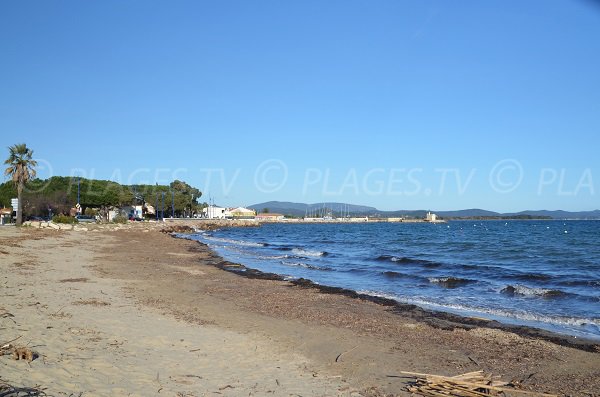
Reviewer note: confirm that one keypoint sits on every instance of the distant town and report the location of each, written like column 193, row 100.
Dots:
column 75, row 200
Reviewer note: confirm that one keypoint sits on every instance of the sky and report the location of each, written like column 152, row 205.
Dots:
column 394, row 104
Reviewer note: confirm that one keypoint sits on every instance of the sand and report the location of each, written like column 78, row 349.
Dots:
column 137, row 312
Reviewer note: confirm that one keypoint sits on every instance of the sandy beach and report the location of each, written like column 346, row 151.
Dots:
column 135, row 312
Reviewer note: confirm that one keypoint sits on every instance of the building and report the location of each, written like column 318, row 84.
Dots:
column 431, row 217
column 5, row 215
column 242, row 213
column 268, row 217
column 214, row 212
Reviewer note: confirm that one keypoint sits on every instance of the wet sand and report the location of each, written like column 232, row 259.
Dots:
column 138, row 312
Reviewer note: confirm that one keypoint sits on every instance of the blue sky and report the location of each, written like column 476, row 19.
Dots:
column 396, row 104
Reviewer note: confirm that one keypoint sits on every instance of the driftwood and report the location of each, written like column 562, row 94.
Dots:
column 18, row 353
column 471, row 384
column 7, row 390
column 23, row 353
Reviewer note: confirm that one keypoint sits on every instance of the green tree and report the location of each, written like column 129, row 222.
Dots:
column 21, row 170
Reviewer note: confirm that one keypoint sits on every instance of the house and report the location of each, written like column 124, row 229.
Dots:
column 5, row 215
column 268, row 217
column 214, row 212
column 242, row 213
column 431, row 217
column 128, row 211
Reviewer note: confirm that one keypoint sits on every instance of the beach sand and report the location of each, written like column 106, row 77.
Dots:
column 137, row 312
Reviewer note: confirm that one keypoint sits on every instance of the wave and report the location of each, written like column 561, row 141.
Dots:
column 303, row 252
column 392, row 274
column 531, row 291
column 306, row 266
column 529, row 276
column 450, row 282
column 581, row 283
column 588, row 327
column 234, row 242
column 405, row 260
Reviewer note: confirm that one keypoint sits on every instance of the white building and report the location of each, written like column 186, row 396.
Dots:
column 214, row 212
column 431, row 217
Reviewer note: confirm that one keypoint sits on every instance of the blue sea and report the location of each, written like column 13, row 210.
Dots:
column 544, row 274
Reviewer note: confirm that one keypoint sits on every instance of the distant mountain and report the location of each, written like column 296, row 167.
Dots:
column 470, row 213
column 300, row 209
column 563, row 214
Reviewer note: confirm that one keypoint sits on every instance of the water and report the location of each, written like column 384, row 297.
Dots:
column 539, row 273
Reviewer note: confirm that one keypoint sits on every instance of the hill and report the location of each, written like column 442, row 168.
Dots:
column 337, row 209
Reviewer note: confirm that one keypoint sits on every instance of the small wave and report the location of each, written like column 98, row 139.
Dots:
column 392, row 274
column 583, row 283
column 303, row 252
column 450, row 282
column 284, row 248
column 395, row 275
column 234, row 242
column 573, row 323
column 530, row 291
column 405, row 260
column 530, row 277
column 306, row 266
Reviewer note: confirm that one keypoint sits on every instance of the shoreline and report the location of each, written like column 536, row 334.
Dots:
column 435, row 318
column 121, row 310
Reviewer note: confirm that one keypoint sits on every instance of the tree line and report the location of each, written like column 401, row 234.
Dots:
column 59, row 194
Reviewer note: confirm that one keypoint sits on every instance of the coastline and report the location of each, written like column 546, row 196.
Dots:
column 344, row 345
column 434, row 318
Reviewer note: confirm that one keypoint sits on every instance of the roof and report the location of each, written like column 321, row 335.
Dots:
column 242, row 209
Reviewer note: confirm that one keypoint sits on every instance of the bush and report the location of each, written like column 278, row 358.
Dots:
column 64, row 219
column 120, row 219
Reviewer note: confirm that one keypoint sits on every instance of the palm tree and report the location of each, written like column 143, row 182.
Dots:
column 21, row 170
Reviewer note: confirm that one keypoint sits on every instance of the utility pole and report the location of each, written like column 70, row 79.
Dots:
column 162, row 207
column 78, row 191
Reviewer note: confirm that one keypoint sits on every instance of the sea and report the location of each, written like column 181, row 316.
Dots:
column 544, row 274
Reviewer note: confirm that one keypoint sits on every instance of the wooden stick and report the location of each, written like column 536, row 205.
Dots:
column 11, row 341
column 342, row 353
column 478, row 386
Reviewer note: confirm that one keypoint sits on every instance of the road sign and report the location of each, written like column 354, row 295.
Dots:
column 14, row 203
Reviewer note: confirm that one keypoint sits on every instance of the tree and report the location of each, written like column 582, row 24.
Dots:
column 21, row 170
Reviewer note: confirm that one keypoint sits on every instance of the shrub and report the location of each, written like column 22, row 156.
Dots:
column 63, row 219
column 120, row 219
column 91, row 211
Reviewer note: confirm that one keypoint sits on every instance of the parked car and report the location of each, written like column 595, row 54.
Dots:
column 85, row 218
column 37, row 219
